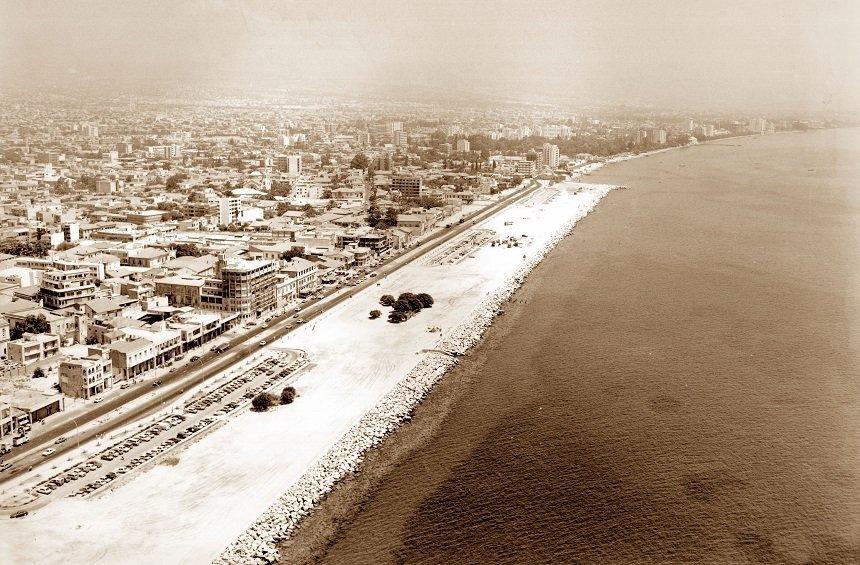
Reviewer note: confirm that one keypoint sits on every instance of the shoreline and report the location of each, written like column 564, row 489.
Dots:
column 259, row 542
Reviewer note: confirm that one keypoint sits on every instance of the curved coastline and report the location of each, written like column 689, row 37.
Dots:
column 258, row 543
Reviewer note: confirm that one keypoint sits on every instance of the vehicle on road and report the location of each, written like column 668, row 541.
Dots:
column 157, row 383
column 194, row 358
column 265, row 325
column 300, row 321
column 4, row 466
column 48, row 451
column 173, row 370
column 125, row 385
column 297, row 309
column 60, row 440
column 98, row 399
column 20, row 440
column 374, row 274
column 262, row 343
column 19, row 514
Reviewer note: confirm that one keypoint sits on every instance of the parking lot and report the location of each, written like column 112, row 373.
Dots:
column 199, row 414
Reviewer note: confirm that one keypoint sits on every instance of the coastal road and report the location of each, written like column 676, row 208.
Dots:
column 175, row 384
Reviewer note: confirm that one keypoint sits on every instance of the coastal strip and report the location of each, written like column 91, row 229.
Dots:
column 257, row 544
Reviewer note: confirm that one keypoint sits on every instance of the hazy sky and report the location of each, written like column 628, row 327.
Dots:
column 705, row 54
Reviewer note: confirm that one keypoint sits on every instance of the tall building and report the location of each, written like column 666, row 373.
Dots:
column 290, row 164
column 64, row 288
column 400, row 139
column 758, row 125
column 657, row 135
column 247, row 287
column 463, row 145
column 550, row 155
column 228, row 210
column 408, row 185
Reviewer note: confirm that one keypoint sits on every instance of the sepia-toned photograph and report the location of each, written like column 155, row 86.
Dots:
column 427, row 282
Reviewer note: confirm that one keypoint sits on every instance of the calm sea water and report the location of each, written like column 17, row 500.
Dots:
column 677, row 382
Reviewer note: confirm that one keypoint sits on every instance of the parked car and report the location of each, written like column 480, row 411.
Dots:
column 98, row 399
column 19, row 514
column 4, row 466
column 157, row 383
column 125, row 385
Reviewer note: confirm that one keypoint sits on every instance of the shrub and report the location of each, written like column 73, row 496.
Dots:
column 402, row 306
column 264, row 401
column 405, row 296
column 374, row 314
column 39, row 373
column 414, row 304
column 288, row 395
column 397, row 317
column 387, row 300
column 426, row 299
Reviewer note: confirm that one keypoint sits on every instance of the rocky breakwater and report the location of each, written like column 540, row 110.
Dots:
column 258, row 543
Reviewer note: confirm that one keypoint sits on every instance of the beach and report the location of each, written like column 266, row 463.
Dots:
column 583, row 427
column 193, row 510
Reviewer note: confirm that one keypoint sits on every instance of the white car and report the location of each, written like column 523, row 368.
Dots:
column 48, row 451
column 98, row 399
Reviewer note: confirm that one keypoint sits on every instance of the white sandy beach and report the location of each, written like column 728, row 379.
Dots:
column 190, row 512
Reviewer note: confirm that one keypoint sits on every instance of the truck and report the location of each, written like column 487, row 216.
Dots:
column 20, row 440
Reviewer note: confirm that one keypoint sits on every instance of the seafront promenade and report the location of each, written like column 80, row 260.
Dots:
column 357, row 362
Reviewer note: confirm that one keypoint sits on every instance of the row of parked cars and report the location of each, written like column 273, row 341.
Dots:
column 77, row 472
column 146, row 456
column 219, row 393
column 82, row 469
column 273, row 379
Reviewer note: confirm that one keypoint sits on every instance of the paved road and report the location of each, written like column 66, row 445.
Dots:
column 210, row 364
column 118, row 459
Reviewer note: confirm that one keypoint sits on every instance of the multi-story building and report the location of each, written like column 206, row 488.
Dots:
column 62, row 289
column 657, row 135
column 463, row 145
column 305, row 274
column 290, row 164
column 409, row 186
column 32, row 348
column 228, row 210
column 132, row 358
column 550, row 155
column 247, row 287
column 88, row 376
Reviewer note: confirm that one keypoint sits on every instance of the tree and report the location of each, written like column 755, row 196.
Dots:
column 402, row 306
column 387, row 300
column 374, row 314
column 294, row 252
column 23, row 248
column 425, row 299
column 391, row 217
column 32, row 324
column 309, row 210
column 397, row 317
column 187, row 250
column 39, row 373
column 359, row 162
column 288, row 395
column 264, row 401
column 174, row 180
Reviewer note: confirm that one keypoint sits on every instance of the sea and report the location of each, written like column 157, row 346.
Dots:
column 677, row 382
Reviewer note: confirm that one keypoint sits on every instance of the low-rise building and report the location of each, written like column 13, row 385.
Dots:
column 32, row 348
column 86, row 377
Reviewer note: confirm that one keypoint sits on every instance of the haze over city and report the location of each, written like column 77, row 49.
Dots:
column 696, row 55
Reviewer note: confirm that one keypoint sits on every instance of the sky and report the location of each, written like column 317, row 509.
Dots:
column 724, row 54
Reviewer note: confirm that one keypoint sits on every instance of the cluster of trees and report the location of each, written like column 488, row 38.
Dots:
column 174, row 180
column 360, row 161
column 404, row 306
column 280, row 188
column 32, row 324
column 294, row 252
column 376, row 219
column 24, row 248
column 187, row 250
column 173, row 209
column 266, row 400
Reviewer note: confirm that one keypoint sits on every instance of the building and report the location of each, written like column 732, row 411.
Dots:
column 290, row 164
column 86, row 377
column 32, row 348
column 132, row 358
column 550, row 155
column 305, row 274
column 105, row 186
column 463, row 145
column 247, row 287
column 228, row 210
column 64, row 288
column 657, row 135
column 408, row 185
column 758, row 125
